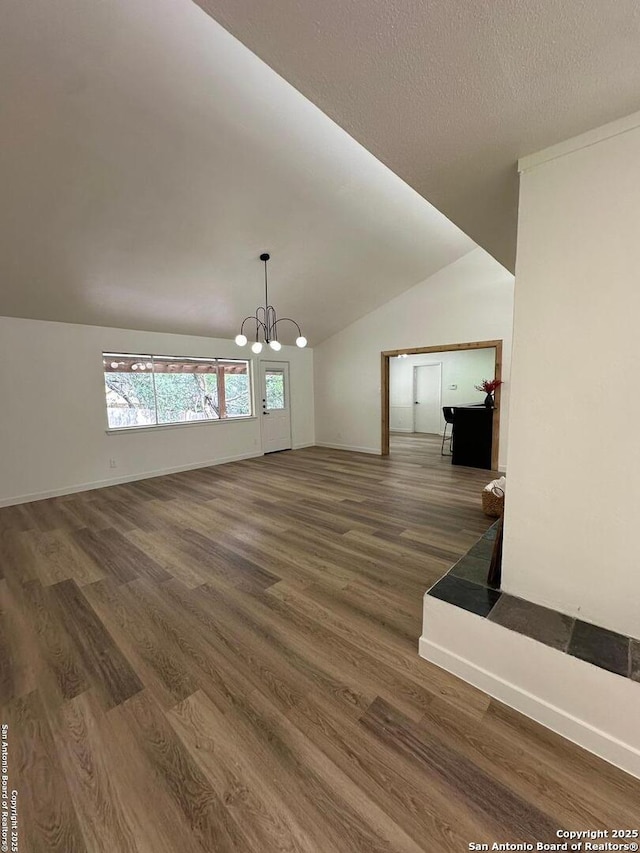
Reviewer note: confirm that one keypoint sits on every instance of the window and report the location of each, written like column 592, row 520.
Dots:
column 153, row 390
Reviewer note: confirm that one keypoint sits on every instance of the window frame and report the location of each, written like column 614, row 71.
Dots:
column 145, row 357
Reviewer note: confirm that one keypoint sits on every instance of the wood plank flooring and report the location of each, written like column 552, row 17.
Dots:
column 226, row 660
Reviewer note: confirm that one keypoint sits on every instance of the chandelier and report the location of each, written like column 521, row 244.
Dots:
column 266, row 322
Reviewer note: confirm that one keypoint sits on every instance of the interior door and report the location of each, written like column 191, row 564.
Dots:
column 275, row 406
column 427, row 409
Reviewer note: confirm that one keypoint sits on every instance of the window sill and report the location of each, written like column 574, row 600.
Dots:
column 152, row 427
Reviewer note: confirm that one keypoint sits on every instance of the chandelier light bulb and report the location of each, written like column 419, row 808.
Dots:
column 275, row 345
column 301, row 341
column 241, row 340
column 256, row 347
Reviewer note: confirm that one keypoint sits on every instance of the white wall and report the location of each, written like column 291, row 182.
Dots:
column 574, row 456
column 464, row 368
column 469, row 300
column 53, row 435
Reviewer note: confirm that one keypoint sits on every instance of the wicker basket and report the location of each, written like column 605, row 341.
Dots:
column 493, row 503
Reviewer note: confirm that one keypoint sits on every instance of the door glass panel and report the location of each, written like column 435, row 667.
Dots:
column 274, row 387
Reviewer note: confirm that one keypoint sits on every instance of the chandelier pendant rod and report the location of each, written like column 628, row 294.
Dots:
column 270, row 316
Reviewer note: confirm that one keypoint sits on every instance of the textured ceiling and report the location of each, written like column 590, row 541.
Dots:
column 450, row 93
column 147, row 158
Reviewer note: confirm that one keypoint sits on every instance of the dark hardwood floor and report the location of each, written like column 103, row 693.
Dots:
column 226, row 660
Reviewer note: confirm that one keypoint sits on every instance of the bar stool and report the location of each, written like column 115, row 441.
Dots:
column 447, row 411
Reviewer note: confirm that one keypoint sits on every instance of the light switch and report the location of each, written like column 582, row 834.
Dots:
column 453, row 387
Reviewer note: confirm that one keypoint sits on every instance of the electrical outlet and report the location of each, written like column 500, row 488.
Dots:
column 113, row 463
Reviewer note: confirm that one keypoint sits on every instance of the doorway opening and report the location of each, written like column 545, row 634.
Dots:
column 419, row 383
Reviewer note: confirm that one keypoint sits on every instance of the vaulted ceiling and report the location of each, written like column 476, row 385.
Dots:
column 450, row 93
column 147, row 158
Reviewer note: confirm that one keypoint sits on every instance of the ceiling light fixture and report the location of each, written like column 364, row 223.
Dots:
column 266, row 321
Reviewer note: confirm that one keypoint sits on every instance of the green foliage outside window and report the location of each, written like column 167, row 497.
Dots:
column 154, row 397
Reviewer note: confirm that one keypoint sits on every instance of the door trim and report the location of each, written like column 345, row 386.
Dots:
column 416, row 367
column 384, row 388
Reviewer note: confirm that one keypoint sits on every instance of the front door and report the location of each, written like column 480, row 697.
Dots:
column 275, row 406
column 427, row 406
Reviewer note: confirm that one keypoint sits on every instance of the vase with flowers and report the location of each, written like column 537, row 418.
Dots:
column 489, row 386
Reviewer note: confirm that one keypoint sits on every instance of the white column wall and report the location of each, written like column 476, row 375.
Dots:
column 574, row 455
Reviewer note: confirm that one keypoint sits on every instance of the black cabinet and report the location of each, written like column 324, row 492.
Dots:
column 472, row 436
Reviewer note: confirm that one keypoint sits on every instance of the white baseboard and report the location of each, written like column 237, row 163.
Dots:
column 302, row 446
column 440, row 432
column 374, row 450
column 115, row 481
column 623, row 755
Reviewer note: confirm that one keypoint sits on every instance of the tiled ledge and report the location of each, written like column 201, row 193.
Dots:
column 465, row 586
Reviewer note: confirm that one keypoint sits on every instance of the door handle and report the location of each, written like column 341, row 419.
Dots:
column 266, row 413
